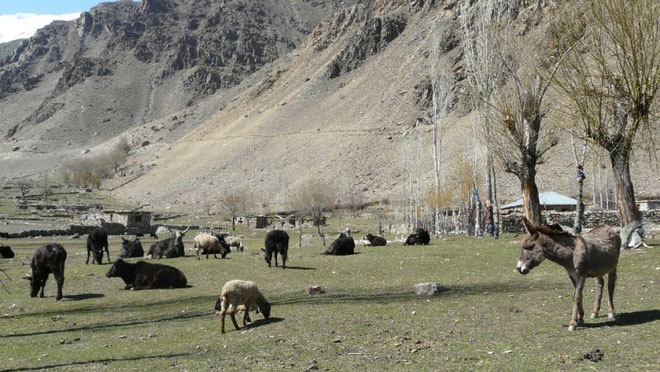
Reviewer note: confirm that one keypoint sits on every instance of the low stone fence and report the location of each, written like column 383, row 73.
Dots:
column 513, row 222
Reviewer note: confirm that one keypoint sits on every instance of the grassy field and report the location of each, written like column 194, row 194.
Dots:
column 492, row 319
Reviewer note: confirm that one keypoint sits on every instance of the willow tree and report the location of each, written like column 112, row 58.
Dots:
column 611, row 80
column 521, row 137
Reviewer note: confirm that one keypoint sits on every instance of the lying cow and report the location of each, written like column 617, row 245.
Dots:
column 131, row 248
column 170, row 247
column 376, row 240
column 46, row 260
column 96, row 241
column 421, row 237
column 342, row 246
column 6, row 252
column 144, row 275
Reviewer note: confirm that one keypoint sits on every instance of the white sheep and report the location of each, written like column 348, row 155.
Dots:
column 209, row 243
column 239, row 295
column 235, row 241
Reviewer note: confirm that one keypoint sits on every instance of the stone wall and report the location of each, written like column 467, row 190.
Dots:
column 513, row 222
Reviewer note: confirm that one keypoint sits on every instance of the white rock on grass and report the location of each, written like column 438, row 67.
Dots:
column 429, row 289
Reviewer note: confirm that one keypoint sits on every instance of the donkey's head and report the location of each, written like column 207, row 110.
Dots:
column 532, row 249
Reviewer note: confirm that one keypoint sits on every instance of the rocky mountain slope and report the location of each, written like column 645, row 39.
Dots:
column 345, row 101
column 75, row 85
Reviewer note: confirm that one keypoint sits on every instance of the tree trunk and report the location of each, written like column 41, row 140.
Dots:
column 300, row 226
column 233, row 223
column 579, row 208
column 496, row 204
column 531, row 203
column 628, row 211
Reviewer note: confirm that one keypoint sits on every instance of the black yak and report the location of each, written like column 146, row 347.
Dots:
column 145, row 275
column 46, row 260
column 131, row 248
column 6, row 252
column 421, row 237
column 277, row 241
column 96, row 241
column 376, row 240
column 170, row 247
column 342, row 246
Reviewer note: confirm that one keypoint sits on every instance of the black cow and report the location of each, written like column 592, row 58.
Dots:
column 144, row 275
column 376, row 240
column 277, row 241
column 6, row 252
column 96, row 241
column 131, row 248
column 421, row 237
column 170, row 247
column 46, row 260
column 342, row 246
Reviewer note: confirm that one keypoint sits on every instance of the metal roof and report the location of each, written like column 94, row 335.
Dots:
column 546, row 198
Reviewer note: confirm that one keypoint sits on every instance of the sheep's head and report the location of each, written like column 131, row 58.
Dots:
column 218, row 304
column 264, row 309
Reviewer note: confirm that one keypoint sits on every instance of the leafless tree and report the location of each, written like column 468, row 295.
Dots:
column 612, row 79
column 479, row 22
column 24, row 187
column 520, row 137
column 580, row 156
column 312, row 198
column 441, row 85
column 233, row 202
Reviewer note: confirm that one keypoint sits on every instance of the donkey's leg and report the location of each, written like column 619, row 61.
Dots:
column 599, row 296
column 611, row 283
column 577, row 302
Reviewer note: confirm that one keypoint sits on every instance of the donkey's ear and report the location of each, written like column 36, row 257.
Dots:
column 531, row 229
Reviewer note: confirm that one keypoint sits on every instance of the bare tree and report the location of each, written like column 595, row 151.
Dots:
column 24, row 187
column 312, row 198
column 580, row 156
column 520, row 136
column 484, row 72
column 233, row 202
column 612, row 79
column 441, row 84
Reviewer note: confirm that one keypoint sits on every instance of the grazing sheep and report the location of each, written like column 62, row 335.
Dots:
column 209, row 244
column 46, row 260
column 235, row 241
column 237, row 293
column 277, row 241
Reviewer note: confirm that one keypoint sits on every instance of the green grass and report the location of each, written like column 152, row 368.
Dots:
column 492, row 319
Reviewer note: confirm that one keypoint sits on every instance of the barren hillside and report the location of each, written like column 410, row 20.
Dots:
column 344, row 101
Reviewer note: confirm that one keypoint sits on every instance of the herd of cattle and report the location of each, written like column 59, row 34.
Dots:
column 144, row 275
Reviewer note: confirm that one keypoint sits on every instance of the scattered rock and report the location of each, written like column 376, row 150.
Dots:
column 595, row 355
column 312, row 367
column 429, row 289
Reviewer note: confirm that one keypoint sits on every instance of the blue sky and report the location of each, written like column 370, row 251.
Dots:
column 20, row 19
column 45, row 6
